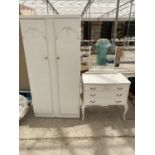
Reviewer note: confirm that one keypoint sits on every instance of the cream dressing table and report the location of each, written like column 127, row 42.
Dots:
column 105, row 90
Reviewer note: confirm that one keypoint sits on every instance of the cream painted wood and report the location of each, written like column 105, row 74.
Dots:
column 52, row 49
column 105, row 79
column 35, row 45
column 105, row 87
column 105, row 94
column 53, row 64
column 68, row 55
column 105, row 101
column 105, row 90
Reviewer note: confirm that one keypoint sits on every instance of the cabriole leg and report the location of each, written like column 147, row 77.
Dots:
column 125, row 110
column 83, row 111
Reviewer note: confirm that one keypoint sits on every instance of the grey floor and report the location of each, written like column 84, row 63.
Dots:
column 103, row 132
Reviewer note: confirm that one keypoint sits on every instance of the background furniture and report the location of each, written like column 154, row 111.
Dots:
column 105, row 90
column 52, row 50
column 85, row 58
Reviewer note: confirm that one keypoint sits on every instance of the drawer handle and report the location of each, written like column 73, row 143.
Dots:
column 92, row 88
column 118, row 95
column 92, row 101
column 92, row 95
column 119, row 88
column 46, row 57
column 118, row 101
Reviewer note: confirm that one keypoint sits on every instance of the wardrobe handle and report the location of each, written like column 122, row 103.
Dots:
column 118, row 101
column 46, row 57
column 92, row 101
column 92, row 95
column 58, row 58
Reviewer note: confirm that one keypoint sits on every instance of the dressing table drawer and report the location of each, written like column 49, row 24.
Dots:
column 105, row 101
column 105, row 94
column 101, row 88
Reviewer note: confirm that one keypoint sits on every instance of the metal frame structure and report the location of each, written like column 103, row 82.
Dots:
column 87, row 6
column 90, row 7
column 115, row 9
column 100, row 9
column 129, row 19
column 48, row 3
column 116, row 23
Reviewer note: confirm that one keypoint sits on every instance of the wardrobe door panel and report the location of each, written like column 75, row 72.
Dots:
column 35, row 45
column 53, row 65
column 67, row 33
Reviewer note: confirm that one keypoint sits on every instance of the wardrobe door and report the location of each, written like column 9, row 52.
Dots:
column 67, row 33
column 35, row 46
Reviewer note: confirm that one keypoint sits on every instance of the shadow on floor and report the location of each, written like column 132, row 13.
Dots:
column 99, row 122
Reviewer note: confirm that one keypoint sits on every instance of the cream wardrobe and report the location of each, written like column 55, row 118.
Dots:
column 52, row 50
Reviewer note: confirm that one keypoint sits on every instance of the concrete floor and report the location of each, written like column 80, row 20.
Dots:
column 103, row 132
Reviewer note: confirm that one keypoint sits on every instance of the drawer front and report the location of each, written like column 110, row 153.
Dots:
column 101, row 88
column 106, row 94
column 105, row 101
